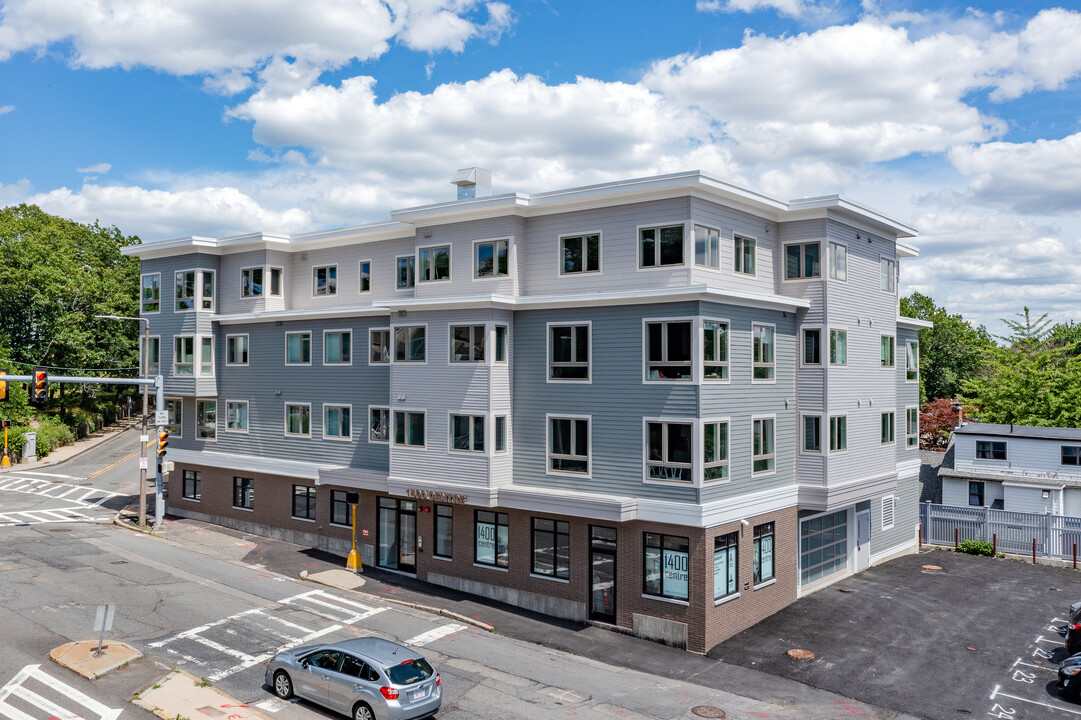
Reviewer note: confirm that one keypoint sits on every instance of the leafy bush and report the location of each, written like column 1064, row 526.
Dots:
column 52, row 434
column 976, row 547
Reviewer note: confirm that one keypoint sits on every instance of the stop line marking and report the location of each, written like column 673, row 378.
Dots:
column 436, row 634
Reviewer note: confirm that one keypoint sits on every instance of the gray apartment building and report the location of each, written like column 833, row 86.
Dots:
column 668, row 404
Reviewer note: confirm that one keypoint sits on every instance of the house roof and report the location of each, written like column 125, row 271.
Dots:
column 1024, row 431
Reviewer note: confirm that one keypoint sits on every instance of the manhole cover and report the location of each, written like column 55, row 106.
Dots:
column 800, row 654
column 707, row 711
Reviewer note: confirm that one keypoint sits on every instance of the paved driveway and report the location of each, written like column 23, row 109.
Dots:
column 978, row 639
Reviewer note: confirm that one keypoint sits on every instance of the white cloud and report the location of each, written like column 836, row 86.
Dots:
column 100, row 168
column 792, row 8
column 4, row 109
column 1033, row 177
column 1047, row 55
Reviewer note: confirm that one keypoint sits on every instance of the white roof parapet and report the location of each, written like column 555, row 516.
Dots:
column 914, row 322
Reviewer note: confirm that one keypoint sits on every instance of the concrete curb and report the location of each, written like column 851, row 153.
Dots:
column 180, row 694
column 79, row 657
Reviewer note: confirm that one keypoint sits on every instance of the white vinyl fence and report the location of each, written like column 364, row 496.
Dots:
column 1056, row 535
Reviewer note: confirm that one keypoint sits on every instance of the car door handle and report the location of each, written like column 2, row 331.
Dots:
column 325, row 677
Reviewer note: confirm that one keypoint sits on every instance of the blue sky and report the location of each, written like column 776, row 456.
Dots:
column 216, row 118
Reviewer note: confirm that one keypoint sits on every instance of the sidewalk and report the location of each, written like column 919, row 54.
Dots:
column 69, row 452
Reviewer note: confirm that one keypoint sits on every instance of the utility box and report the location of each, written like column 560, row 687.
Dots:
column 30, row 447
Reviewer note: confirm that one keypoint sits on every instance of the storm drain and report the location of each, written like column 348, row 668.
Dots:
column 707, row 711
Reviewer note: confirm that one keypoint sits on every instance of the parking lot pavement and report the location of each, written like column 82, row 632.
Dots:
column 977, row 638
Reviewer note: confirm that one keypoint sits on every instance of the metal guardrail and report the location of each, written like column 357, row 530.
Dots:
column 1055, row 536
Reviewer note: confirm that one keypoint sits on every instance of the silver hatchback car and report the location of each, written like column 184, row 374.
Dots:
column 365, row 678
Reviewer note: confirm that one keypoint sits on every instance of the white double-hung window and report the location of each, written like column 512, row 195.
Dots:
column 668, row 451
column 568, row 352
column 568, row 445
column 668, row 350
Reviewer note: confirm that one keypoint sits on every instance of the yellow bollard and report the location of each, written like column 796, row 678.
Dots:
column 353, row 561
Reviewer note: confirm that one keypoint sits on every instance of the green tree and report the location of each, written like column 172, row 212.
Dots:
column 950, row 352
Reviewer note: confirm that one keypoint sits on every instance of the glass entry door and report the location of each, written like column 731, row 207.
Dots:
column 602, row 563
column 397, row 535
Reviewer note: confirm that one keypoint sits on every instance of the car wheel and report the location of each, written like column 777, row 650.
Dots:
column 283, row 686
column 363, row 712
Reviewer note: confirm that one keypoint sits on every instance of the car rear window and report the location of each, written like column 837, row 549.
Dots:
column 409, row 672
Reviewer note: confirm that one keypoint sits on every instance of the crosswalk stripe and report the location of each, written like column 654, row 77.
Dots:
column 436, row 634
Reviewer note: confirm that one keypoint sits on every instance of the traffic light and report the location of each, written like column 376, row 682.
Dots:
column 39, row 388
column 3, row 386
column 163, row 442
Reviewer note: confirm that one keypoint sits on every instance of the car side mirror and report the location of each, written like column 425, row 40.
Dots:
column 304, row 664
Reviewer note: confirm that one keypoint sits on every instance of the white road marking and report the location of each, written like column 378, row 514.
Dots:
column 354, row 611
column 271, row 705
column 16, row 687
column 38, row 473
column 997, row 694
column 436, row 634
column 1041, row 638
column 1018, row 661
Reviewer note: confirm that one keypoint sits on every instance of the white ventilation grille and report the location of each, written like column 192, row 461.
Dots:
column 887, row 512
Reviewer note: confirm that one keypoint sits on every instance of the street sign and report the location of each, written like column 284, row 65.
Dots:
column 167, row 466
column 144, row 439
column 142, row 463
column 161, row 417
column 103, row 620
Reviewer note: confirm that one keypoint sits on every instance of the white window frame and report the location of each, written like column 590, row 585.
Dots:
column 262, row 292
column 506, row 344
column 142, row 300
column 195, row 291
column 801, row 278
column 709, row 250
column 393, row 420
column 339, row 363
column 286, row 348
column 397, row 259
column 506, row 433
column 893, row 352
column 389, row 345
column 727, row 462
column 695, row 465
column 247, row 349
column 315, row 280
column 387, row 427
column 803, row 433
column 360, row 276
column 281, row 281
column 772, row 365
column 908, row 436
column 339, row 406
column 247, row 417
column 202, row 401
column 472, row 341
column 194, row 356
column 830, row 438
column 893, row 427
column 200, row 284
column 588, row 325
column 891, row 279
column 829, row 348
column 737, row 255
column 583, row 236
column 285, row 418
column 144, row 360
column 833, row 274
column 176, row 430
column 393, row 344
column 764, row 456
column 199, row 339
column 472, row 427
column 823, row 349
column 727, row 363
column 695, row 351
column 431, row 264
column 494, row 242
column 916, row 357
column 657, row 245
column 548, row 418
column 892, row 512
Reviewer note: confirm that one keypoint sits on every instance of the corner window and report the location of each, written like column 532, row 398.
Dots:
column 365, row 276
column 812, row 346
column 500, row 433
column 251, row 282
column 802, row 261
column 298, row 420
column 193, row 485
column 206, row 419
column 275, row 282
column 762, row 447
column 236, row 350
column 886, row 344
column 298, row 348
column 341, row 510
column 912, row 427
column 888, row 281
column 408, row 429
column 236, row 416
column 406, row 272
column 336, row 422
column 990, row 450
column 490, row 258
column 325, row 280
column 744, row 251
column 184, row 355
column 551, row 548
column 434, row 263
column 714, row 350
column 763, row 352
column 151, row 293
column 666, row 566
column 336, row 347
column 838, row 347
column 975, row 493
column 838, row 433
column 912, row 362
column 707, row 247
column 888, row 423
column 668, row 451
column 568, row 445
column 244, row 493
column 303, row 502
column 501, row 343
column 206, row 293
column 812, row 433
column 668, row 350
column 444, row 531
column 185, row 290
column 206, row 356
column 838, row 261
column 1071, row 455
column 660, row 246
column 763, row 553
column 175, row 408
column 467, row 343
column 580, row 254
column 380, row 347
column 467, row 433
column 151, row 354
column 715, row 451
column 725, row 565
column 568, row 352
column 492, row 539
column 409, row 344
column 379, row 424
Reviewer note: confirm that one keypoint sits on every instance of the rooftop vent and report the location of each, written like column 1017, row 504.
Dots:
column 472, row 183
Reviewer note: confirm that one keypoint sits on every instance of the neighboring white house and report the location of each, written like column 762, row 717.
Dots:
column 1014, row 467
